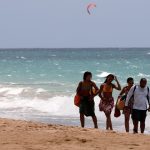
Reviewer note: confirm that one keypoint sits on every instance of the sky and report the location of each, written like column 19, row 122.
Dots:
column 66, row 24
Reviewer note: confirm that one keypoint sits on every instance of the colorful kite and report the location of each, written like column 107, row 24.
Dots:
column 90, row 6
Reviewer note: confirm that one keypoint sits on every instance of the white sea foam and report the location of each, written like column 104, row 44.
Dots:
column 128, row 62
column 60, row 106
column 23, row 57
column 9, row 75
column 143, row 75
column 103, row 74
column 82, row 71
column 24, row 102
column 37, row 100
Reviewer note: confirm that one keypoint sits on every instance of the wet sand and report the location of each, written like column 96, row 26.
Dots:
column 23, row 135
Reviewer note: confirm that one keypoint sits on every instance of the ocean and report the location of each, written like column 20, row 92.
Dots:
column 40, row 84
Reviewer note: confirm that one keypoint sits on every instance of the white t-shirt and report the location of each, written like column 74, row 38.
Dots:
column 140, row 97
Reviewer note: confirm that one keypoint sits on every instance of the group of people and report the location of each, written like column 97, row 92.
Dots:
column 136, row 99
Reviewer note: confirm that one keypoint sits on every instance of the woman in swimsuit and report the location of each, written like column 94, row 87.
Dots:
column 85, row 91
column 124, row 92
column 107, row 101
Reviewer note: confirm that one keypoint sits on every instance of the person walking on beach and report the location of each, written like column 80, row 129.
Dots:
column 107, row 101
column 123, row 96
column 85, row 91
column 141, row 104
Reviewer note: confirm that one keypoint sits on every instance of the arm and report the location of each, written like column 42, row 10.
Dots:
column 100, row 92
column 130, row 93
column 78, row 90
column 149, row 101
column 118, row 87
column 122, row 92
column 96, row 88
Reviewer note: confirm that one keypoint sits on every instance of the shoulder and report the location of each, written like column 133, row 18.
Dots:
column 125, row 88
column 147, row 88
column 134, row 87
column 92, row 83
column 80, row 83
column 103, row 84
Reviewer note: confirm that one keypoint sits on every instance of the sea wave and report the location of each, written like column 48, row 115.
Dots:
column 52, row 83
column 14, row 105
column 143, row 75
column 103, row 74
column 30, row 100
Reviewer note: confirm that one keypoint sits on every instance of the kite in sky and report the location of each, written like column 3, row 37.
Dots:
column 90, row 6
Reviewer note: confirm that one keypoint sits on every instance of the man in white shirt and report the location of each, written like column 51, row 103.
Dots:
column 140, row 105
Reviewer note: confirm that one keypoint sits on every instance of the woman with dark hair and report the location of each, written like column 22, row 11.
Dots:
column 85, row 91
column 123, row 94
column 107, row 101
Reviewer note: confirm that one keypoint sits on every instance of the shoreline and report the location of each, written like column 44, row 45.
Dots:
column 27, row 135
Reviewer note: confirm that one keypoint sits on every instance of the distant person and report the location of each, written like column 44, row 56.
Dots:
column 123, row 95
column 86, row 93
column 107, row 101
column 141, row 104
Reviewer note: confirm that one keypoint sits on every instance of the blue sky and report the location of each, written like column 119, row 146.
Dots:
column 65, row 23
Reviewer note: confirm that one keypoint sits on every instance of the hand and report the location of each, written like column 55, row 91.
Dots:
column 119, row 96
column 115, row 78
column 149, row 109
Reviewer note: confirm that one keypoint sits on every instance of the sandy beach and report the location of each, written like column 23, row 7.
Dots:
column 23, row 135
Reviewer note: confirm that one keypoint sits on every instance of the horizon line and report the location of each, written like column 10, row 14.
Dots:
column 79, row 48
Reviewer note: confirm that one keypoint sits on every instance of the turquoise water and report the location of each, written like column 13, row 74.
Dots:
column 63, row 69
column 42, row 82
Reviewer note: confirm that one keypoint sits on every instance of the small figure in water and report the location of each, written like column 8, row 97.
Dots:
column 86, row 93
column 107, row 101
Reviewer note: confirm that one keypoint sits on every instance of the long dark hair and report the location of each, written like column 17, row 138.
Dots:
column 87, row 73
column 110, row 75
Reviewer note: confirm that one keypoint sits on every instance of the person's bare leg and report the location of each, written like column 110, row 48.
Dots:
column 82, row 120
column 95, row 121
column 108, row 121
column 142, row 126
column 135, row 123
column 127, row 118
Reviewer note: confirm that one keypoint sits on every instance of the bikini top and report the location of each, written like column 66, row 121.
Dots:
column 107, row 88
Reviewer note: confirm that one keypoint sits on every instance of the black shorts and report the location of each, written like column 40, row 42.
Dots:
column 87, row 107
column 139, row 115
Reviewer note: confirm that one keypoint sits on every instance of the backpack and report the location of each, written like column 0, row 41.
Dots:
column 131, row 100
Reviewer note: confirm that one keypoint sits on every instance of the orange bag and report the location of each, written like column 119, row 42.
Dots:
column 77, row 100
column 120, row 104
